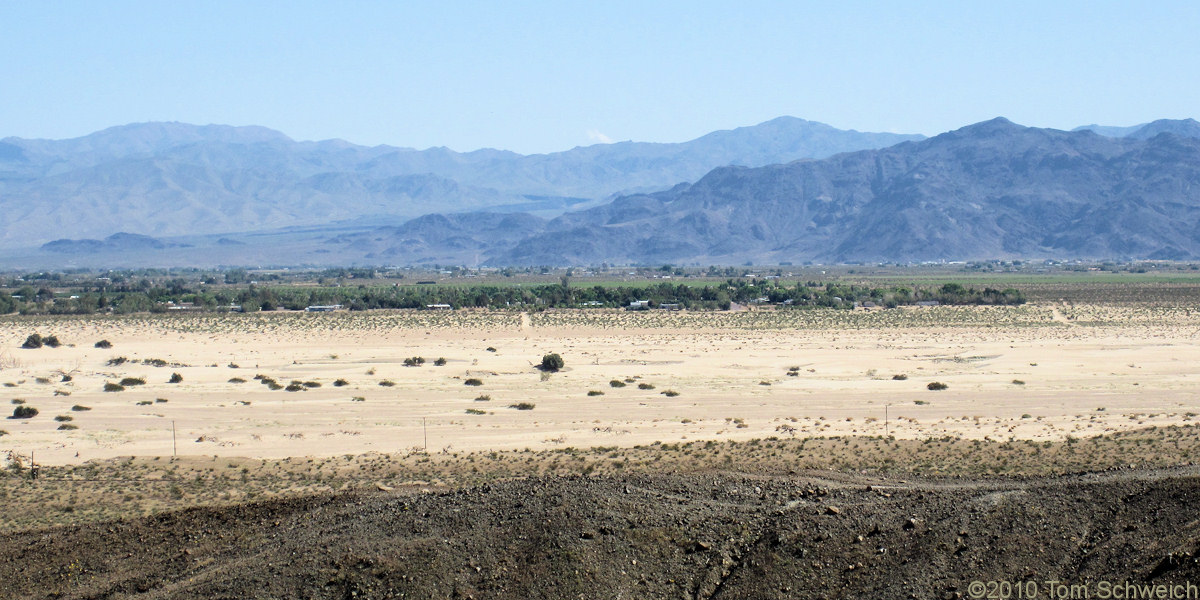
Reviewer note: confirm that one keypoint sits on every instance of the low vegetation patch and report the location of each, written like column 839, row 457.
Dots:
column 113, row 387
column 522, row 406
column 552, row 362
column 936, row 386
column 473, row 381
column 24, row 412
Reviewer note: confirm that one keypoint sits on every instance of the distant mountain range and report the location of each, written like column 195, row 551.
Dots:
column 168, row 179
column 989, row 190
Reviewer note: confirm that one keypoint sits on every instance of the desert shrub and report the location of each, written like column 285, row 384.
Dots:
column 66, row 378
column 522, row 406
column 617, row 383
column 440, row 362
column 104, row 344
column 476, row 411
column 145, row 402
column 645, row 386
column 175, row 378
column 113, row 387
column 311, row 384
column 274, row 386
column 236, row 380
column 81, row 408
column 64, row 418
column 154, row 362
column 595, row 393
column 52, row 341
column 3, row 433
column 899, row 377
column 491, row 349
column 920, row 402
column 67, row 427
column 473, row 381
column 341, row 383
column 24, row 412
column 483, row 398
column 358, row 399
column 1018, row 382
column 42, row 380
column 161, row 400
column 552, row 362
column 414, row 361
column 117, row 361
column 670, row 393
column 132, row 381
column 33, row 342
column 936, row 385
column 18, row 401
column 234, row 366
column 387, row 383
column 294, row 387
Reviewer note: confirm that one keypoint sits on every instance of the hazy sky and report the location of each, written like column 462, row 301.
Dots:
column 546, row 76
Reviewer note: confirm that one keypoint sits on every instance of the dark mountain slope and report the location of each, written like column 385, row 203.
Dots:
column 990, row 190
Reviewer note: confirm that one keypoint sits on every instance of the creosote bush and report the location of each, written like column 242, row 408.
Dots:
column 132, row 381
column 936, row 386
column 522, row 406
column 80, row 408
column 340, row 383
column 440, row 362
column 104, row 344
column 552, row 362
column 175, row 378
column 113, row 387
column 387, row 383
column 473, row 381
column 617, row 383
column 24, row 412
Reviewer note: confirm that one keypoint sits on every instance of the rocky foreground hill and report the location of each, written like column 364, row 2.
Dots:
column 717, row 535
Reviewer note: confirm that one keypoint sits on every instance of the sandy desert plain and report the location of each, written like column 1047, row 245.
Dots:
column 1048, row 370
column 1063, row 448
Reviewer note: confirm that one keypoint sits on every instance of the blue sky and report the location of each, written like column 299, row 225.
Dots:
column 547, row 76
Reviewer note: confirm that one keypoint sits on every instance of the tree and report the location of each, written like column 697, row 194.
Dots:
column 552, row 362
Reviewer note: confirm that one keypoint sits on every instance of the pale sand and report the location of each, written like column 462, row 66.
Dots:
column 1141, row 368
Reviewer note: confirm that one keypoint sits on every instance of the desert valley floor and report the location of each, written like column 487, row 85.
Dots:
column 1036, row 372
